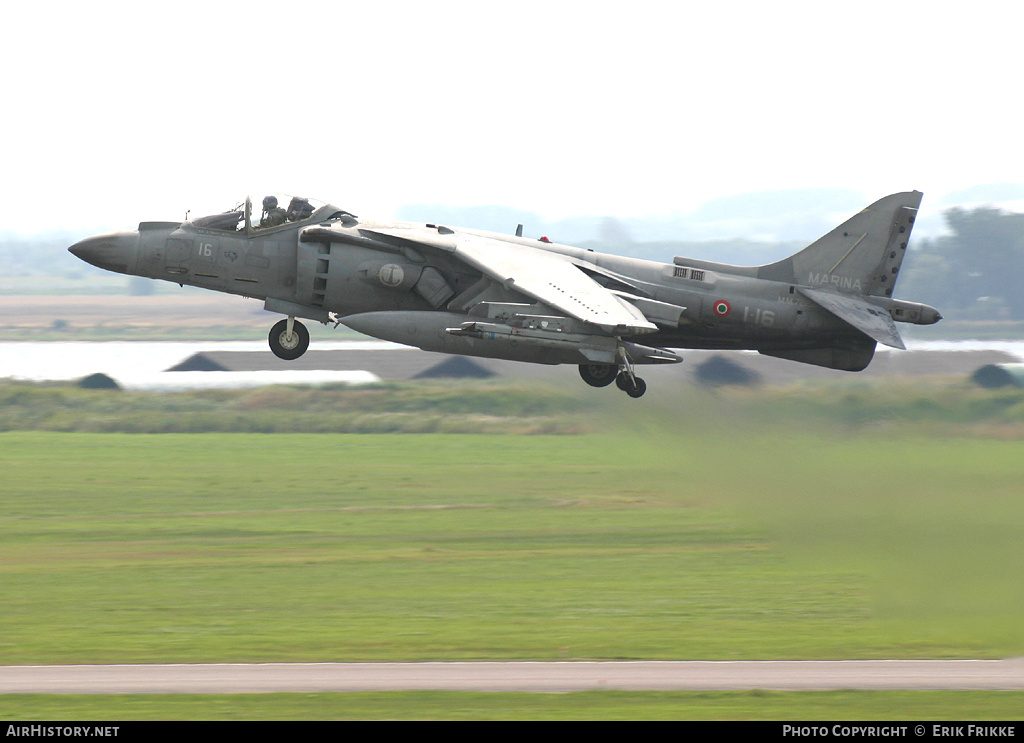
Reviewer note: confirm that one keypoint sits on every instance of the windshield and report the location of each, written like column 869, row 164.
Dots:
column 232, row 220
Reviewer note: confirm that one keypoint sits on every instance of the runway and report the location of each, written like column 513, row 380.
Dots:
column 254, row 678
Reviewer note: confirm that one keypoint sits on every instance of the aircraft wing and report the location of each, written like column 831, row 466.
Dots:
column 869, row 319
column 547, row 277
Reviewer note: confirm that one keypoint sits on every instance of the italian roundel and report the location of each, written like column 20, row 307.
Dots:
column 722, row 308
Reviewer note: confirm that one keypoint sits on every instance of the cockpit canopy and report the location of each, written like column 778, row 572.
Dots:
column 271, row 211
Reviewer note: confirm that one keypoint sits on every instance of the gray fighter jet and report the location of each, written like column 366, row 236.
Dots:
column 463, row 291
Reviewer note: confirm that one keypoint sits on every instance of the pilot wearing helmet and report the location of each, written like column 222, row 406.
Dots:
column 299, row 209
column 273, row 215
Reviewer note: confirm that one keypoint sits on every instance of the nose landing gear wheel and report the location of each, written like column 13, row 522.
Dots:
column 289, row 346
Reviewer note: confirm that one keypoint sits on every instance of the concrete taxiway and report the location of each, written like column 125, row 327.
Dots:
column 233, row 678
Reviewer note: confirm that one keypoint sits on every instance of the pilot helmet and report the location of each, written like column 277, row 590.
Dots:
column 269, row 202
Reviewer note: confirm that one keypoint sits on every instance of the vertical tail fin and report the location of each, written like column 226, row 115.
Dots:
column 863, row 255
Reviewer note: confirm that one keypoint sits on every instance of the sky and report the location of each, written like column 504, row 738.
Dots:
column 117, row 112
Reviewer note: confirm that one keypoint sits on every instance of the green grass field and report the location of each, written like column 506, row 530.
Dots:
column 704, row 528
column 591, row 705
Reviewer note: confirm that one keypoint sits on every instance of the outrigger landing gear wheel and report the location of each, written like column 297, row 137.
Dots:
column 289, row 345
column 598, row 375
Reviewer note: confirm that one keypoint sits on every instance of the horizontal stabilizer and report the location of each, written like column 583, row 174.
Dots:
column 872, row 321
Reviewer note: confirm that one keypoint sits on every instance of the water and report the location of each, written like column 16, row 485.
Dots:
column 143, row 365
column 1013, row 348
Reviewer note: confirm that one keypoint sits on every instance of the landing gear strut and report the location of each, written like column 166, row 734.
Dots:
column 602, row 375
column 627, row 380
column 289, row 339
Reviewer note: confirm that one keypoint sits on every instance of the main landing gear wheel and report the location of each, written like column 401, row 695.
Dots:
column 598, row 375
column 289, row 346
column 631, row 385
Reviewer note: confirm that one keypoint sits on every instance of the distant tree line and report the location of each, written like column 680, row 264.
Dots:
column 975, row 272
column 35, row 255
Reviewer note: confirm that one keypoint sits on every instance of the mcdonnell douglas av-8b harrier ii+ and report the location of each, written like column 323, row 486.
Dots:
column 463, row 291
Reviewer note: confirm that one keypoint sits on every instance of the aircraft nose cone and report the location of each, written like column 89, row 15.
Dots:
column 115, row 252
